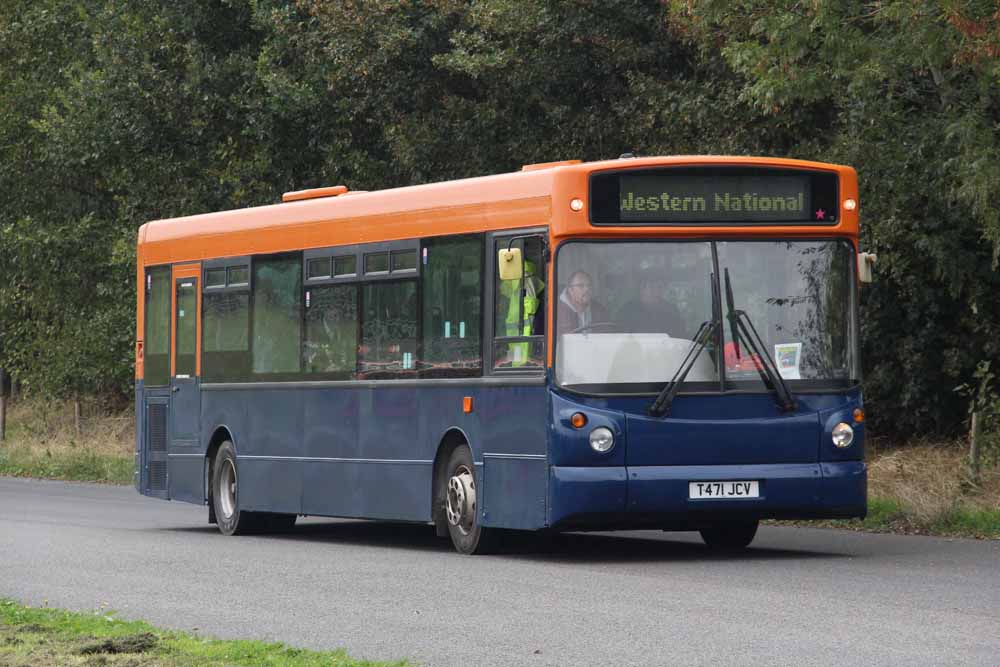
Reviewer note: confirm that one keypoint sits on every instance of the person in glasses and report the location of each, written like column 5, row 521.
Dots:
column 578, row 311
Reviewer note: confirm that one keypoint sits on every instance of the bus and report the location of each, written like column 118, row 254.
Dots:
column 665, row 343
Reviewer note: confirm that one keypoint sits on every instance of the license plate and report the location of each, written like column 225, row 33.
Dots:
column 726, row 490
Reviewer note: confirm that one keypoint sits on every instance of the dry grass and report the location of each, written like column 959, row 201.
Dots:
column 925, row 488
column 929, row 480
column 48, row 426
column 42, row 442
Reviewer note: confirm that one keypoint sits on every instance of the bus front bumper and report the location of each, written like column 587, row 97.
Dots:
column 658, row 496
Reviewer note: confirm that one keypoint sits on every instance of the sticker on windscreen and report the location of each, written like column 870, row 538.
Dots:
column 787, row 357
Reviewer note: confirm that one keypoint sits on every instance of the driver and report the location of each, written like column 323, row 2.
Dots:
column 576, row 305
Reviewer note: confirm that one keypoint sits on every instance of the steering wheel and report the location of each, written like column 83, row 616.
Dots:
column 593, row 325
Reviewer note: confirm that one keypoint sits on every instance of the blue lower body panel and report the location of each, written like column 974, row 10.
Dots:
column 583, row 492
column 363, row 450
column 617, row 497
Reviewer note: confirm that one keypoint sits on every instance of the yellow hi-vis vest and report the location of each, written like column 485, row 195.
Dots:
column 529, row 300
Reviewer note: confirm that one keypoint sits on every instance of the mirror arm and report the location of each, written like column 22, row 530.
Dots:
column 545, row 242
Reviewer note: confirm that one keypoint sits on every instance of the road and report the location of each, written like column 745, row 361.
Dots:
column 384, row 591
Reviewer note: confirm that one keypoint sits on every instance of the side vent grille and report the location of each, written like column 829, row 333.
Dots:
column 157, row 475
column 157, row 427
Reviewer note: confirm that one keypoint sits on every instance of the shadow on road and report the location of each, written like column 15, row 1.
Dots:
column 628, row 547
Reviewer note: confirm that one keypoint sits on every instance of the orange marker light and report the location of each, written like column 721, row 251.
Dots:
column 850, row 204
column 859, row 415
column 467, row 404
column 578, row 420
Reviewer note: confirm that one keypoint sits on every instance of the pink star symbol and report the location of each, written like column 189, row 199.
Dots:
column 820, row 214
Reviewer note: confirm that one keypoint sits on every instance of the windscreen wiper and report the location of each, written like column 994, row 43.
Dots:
column 743, row 328
column 661, row 406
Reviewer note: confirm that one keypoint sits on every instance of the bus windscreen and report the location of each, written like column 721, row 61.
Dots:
column 714, row 195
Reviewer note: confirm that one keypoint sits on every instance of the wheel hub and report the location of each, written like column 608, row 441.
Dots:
column 227, row 489
column 461, row 500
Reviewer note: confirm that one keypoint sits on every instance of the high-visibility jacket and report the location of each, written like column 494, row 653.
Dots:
column 533, row 286
column 519, row 297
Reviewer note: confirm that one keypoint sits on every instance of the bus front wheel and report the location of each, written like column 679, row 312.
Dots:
column 462, row 506
column 730, row 535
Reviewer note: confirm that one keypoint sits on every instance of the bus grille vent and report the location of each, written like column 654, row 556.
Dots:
column 157, row 475
column 157, row 428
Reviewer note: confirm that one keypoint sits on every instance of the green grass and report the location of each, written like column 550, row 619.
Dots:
column 969, row 522
column 890, row 515
column 883, row 513
column 80, row 465
column 54, row 638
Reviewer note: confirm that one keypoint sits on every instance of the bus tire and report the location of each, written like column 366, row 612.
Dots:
column 225, row 496
column 462, row 506
column 730, row 535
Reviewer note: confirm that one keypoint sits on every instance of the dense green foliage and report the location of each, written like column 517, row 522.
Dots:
column 115, row 113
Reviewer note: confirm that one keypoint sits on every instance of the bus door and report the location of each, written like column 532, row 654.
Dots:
column 156, row 383
column 186, row 462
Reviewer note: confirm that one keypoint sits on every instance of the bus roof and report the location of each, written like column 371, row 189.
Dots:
column 529, row 198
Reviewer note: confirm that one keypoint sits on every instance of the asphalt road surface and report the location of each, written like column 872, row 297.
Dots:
column 390, row 591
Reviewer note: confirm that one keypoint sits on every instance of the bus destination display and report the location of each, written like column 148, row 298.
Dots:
column 706, row 196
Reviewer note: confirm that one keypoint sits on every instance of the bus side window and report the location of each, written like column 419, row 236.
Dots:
column 225, row 334
column 388, row 330
column 277, row 315
column 331, row 343
column 452, row 287
column 157, row 361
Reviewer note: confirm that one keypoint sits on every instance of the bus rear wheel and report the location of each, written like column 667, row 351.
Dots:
column 730, row 535
column 230, row 519
column 462, row 506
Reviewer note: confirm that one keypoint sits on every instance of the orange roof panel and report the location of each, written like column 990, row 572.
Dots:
column 536, row 197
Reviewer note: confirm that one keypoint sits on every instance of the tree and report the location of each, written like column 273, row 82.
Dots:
column 909, row 94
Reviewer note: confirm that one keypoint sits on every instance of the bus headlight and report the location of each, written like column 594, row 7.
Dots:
column 843, row 435
column 602, row 439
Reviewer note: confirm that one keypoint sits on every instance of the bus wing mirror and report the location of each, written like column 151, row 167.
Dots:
column 866, row 264
column 511, row 264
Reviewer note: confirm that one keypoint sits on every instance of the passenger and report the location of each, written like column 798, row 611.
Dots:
column 577, row 308
column 651, row 313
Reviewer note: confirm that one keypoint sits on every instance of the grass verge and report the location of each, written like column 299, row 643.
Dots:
column 80, row 466
column 42, row 441
column 54, row 638
column 888, row 515
column 923, row 489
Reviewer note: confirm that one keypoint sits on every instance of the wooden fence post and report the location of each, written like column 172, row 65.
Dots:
column 5, row 387
column 76, row 415
column 975, row 447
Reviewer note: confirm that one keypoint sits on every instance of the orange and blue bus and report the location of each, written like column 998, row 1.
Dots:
column 667, row 343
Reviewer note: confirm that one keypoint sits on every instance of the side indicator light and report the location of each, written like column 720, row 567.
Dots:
column 859, row 416
column 578, row 420
column 850, row 204
column 467, row 404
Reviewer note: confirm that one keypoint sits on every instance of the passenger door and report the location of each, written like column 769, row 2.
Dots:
column 186, row 460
